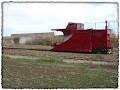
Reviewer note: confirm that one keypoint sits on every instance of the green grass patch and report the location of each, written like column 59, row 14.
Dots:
column 33, row 60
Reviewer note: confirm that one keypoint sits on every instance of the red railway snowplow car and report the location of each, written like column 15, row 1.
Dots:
column 78, row 39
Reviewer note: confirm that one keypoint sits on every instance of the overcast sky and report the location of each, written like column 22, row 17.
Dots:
column 42, row 17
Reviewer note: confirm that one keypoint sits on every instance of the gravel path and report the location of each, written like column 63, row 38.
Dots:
column 89, row 62
column 67, row 60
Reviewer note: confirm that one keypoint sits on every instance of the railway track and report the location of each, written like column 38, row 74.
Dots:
column 37, row 49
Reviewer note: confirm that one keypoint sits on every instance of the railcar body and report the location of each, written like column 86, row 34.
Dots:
column 78, row 39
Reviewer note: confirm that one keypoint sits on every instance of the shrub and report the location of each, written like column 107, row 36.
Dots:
column 16, row 40
column 39, row 42
column 114, row 40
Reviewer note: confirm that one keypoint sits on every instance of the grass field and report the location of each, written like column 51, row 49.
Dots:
column 22, row 68
column 44, row 72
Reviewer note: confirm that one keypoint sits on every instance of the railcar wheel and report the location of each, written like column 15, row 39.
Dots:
column 105, row 51
column 109, row 51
